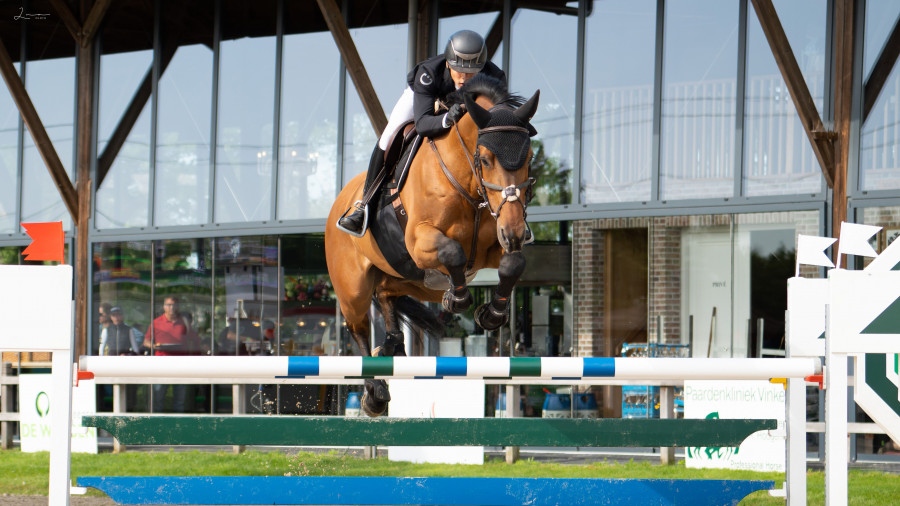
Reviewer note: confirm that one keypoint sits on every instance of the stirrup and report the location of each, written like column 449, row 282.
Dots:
column 358, row 205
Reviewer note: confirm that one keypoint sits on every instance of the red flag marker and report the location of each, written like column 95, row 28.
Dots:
column 47, row 241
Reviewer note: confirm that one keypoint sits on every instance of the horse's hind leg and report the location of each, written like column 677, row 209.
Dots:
column 393, row 343
column 375, row 396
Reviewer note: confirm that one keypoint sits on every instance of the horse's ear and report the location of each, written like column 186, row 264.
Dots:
column 527, row 110
column 479, row 114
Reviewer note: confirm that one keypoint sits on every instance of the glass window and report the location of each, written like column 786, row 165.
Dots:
column 307, row 164
column 245, row 134
column 9, row 161
column 548, row 64
column 122, row 279
column 698, row 105
column 246, row 294
column 878, row 159
column 182, row 316
column 309, row 306
column 383, row 50
column 617, row 159
column 778, row 158
column 183, row 134
column 125, row 187
column 889, row 219
column 51, row 86
column 880, row 18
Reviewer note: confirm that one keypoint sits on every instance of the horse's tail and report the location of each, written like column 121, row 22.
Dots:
column 418, row 315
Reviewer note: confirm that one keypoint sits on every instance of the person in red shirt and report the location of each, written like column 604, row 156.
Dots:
column 169, row 335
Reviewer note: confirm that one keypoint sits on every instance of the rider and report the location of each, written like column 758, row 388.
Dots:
column 431, row 80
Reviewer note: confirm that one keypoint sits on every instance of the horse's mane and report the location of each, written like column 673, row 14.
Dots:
column 489, row 87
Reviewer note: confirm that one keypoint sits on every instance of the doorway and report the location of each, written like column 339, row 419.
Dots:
column 625, row 294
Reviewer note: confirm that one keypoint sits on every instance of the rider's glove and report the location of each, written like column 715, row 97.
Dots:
column 453, row 116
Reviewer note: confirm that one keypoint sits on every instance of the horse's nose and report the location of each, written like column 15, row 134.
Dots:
column 511, row 243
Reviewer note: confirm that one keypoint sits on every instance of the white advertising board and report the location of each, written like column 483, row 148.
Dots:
column 417, row 398
column 806, row 316
column 737, row 400
column 35, row 307
column 36, row 404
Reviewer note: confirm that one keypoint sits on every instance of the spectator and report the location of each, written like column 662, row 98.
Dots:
column 119, row 338
column 168, row 335
column 103, row 321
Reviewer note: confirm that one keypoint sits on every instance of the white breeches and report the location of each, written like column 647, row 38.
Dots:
column 400, row 114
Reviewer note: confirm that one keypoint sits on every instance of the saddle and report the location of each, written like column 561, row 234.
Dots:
column 389, row 226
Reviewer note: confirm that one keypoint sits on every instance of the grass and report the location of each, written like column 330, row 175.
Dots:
column 26, row 473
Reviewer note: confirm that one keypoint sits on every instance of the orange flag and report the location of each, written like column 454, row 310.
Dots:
column 47, row 241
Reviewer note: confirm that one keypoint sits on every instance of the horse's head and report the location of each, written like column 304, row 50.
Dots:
column 502, row 160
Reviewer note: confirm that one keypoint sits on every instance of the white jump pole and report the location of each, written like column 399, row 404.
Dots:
column 452, row 367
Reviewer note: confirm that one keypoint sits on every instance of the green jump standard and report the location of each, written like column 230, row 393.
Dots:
column 340, row 431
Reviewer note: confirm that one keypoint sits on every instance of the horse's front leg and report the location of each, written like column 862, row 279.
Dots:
column 494, row 314
column 432, row 247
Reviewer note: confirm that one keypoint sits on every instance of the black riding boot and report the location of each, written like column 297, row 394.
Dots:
column 355, row 222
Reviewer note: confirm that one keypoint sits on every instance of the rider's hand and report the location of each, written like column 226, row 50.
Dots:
column 456, row 112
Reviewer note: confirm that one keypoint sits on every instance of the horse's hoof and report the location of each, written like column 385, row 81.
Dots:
column 489, row 318
column 376, row 397
column 454, row 304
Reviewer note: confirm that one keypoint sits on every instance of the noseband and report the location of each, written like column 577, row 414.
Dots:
column 511, row 193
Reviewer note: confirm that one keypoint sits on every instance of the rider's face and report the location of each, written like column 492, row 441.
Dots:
column 459, row 78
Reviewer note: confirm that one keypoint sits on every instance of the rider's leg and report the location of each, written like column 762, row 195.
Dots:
column 354, row 223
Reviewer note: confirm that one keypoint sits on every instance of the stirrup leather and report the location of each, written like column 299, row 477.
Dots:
column 358, row 205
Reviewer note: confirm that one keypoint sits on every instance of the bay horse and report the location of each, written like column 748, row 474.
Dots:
column 481, row 164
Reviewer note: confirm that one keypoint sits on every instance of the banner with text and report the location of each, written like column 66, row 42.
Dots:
column 35, row 403
column 737, row 400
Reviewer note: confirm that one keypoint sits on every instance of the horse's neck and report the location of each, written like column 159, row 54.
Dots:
column 457, row 151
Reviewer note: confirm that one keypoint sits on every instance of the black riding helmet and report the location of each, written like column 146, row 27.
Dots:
column 466, row 52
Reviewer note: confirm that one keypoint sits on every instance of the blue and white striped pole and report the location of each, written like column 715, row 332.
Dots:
column 452, row 367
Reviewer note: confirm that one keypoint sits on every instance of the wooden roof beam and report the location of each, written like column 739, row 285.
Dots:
column 83, row 34
column 882, row 69
column 820, row 139
column 355, row 67
column 72, row 24
column 38, row 133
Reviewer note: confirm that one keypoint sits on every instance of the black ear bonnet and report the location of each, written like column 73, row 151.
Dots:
column 510, row 148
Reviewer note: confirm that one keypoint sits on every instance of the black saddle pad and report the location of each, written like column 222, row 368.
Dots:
column 385, row 225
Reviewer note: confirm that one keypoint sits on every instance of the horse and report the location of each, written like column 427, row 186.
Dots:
column 481, row 164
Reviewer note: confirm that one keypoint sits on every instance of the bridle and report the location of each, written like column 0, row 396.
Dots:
column 511, row 193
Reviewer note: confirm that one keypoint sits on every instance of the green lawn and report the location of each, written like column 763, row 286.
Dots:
column 26, row 473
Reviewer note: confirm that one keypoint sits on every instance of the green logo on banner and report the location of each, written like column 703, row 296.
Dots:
column 42, row 404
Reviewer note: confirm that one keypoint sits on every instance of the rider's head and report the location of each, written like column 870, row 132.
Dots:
column 466, row 55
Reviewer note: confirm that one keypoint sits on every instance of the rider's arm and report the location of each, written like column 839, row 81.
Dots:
column 425, row 91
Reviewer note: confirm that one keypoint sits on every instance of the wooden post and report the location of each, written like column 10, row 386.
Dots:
column 844, row 24
column 84, row 141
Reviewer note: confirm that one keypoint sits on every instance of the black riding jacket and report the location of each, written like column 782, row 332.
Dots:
column 430, row 80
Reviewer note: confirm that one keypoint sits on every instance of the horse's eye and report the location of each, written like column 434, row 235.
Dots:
column 485, row 162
